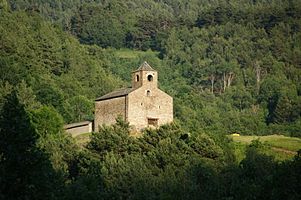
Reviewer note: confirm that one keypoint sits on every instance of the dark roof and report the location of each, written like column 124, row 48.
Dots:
column 78, row 124
column 145, row 67
column 116, row 93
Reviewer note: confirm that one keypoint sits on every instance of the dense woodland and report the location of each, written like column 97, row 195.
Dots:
column 231, row 67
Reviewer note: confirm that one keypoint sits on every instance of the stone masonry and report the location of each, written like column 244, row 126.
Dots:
column 143, row 105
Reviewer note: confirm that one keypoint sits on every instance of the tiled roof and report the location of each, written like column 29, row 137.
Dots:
column 145, row 67
column 116, row 93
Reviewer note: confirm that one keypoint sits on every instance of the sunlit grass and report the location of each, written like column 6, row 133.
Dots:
column 280, row 141
column 281, row 147
column 130, row 54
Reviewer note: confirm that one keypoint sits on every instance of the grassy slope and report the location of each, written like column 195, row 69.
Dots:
column 280, row 146
column 131, row 54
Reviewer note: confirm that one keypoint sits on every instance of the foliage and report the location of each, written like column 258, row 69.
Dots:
column 231, row 67
column 23, row 164
column 237, row 52
column 50, row 67
column 47, row 121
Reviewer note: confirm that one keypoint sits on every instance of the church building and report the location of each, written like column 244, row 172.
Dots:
column 143, row 105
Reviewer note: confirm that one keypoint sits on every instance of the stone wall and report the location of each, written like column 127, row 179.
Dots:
column 149, row 102
column 106, row 111
column 143, row 78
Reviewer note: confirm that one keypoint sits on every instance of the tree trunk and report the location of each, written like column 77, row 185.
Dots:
column 224, row 82
column 230, row 79
column 227, row 80
column 258, row 75
column 212, row 79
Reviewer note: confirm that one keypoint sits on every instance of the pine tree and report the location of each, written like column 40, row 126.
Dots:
column 25, row 170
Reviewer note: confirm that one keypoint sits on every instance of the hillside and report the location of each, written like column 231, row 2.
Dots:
column 230, row 73
column 231, row 67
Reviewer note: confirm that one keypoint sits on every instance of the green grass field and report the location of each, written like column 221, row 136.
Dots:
column 280, row 146
column 130, row 54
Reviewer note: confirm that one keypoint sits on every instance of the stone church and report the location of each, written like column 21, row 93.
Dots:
column 142, row 105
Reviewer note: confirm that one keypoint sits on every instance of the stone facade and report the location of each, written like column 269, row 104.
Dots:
column 149, row 104
column 107, row 110
column 143, row 105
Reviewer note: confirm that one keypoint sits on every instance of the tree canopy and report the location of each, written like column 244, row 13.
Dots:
column 231, row 67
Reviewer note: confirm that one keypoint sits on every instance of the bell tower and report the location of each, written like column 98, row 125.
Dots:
column 145, row 75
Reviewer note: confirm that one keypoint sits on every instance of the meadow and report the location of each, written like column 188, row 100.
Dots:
column 279, row 146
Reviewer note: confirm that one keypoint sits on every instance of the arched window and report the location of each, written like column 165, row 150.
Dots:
column 150, row 78
column 148, row 93
column 137, row 78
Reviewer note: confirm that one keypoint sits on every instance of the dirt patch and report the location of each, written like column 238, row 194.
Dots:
column 284, row 150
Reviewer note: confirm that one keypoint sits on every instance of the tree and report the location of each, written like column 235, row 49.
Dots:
column 27, row 97
column 97, row 25
column 288, row 109
column 79, row 108
column 4, row 5
column 25, row 170
column 253, row 177
column 287, row 179
column 47, row 121
column 112, row 139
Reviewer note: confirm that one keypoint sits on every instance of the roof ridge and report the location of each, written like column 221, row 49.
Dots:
column 116, row 93
column 145, row 67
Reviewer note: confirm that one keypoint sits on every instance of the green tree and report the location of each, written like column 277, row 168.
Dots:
column 252, row 179
column 287, row 110
column 287, row 179
column 79, row 108
column 113, row 138
column 4, row 5
column 25, row 170
column 5, row 89
column 47, row 121
column 27, row 96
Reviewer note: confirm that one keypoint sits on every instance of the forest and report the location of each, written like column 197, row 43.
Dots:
column 230, row 66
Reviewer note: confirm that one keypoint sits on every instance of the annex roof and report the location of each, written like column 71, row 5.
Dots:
column 77, row 124
column 116, row 93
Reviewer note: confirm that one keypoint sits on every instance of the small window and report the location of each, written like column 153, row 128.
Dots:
column 150, row 78
column 137, row 78
column 152, row 122
column 148, row 93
